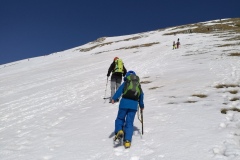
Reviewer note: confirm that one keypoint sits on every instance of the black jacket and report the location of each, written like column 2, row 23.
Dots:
column 112, row 67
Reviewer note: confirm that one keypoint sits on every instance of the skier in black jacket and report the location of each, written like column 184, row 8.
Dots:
column 118, row 71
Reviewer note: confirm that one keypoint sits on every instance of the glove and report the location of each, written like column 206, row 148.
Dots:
column 108, row 75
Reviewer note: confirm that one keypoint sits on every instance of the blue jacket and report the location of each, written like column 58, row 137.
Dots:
column 128, row 103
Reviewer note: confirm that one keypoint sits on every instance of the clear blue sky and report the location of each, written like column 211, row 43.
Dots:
column 31, row 28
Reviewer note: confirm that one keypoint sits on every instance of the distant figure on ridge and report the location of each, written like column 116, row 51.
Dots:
column 118, row 70
column 178, row 43
column 174, row 45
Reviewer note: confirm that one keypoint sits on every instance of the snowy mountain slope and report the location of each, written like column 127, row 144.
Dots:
column 52, row 107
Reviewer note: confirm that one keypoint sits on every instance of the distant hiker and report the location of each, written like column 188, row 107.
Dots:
column 174, row 45
column 118, row 70
column 132, row 96
column 178, row 43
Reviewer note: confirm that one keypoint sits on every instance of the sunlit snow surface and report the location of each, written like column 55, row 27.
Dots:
column 52, row 107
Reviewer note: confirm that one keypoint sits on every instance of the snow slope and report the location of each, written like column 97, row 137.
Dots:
column 52, row 107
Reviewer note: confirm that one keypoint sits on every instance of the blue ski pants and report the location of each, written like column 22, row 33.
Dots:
column 124, row 121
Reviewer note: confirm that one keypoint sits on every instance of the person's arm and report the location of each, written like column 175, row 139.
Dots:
column 110, row 69
column 124, row 71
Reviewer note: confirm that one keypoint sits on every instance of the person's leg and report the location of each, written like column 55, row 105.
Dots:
column 118, row 82
column 128, row 128
column 113, row 86
column 120, row 120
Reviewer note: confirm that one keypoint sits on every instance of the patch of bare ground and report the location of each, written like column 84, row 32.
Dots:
column 230, row 25
column 225, row 110
column 91, row 48
column 234, row 99
column 234, row 54
column 145, row 82
column 190, row 101
column 146, row 77
column 152, row 88
column 199, row 95
column 226, row 85
column 132, row 38
column 139, row 46
column 233, row 92
column 228, row 45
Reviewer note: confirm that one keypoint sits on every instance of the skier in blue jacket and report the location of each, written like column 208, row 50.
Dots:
column 126, row 113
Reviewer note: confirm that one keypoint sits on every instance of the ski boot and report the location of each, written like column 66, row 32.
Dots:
column 119, row 135
column 127, row 144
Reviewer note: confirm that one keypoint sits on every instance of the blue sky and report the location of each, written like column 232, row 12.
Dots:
column 31, row 28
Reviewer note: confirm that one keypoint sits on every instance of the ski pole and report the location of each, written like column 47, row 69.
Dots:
column 142, row 120
column 106, row 89
column 138, row 115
